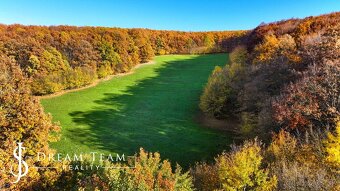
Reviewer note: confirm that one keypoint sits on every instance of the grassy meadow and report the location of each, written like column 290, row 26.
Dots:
column 155, row 108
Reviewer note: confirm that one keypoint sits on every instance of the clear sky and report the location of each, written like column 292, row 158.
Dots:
column 186, row 15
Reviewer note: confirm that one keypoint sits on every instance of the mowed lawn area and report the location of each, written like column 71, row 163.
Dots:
column 155, row 108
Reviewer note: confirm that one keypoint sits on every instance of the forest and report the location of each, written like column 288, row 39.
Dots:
column 283, row 87
column 65, row 57
column 281, row 84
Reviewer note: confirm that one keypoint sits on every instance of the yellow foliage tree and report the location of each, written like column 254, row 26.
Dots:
column 332, row 147
column 22, row 119
column 273, row 48
column 283, row 146
column 150, row 172
column 241, row 169
column 267, row 49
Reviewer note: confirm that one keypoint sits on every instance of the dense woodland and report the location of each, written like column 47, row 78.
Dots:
column 281, row 83
column 63, row 57
column 283, row 87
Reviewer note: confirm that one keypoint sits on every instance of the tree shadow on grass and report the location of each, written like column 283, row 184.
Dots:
column 157, row 114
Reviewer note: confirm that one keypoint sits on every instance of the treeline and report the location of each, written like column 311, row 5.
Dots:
column 283, row 87
column 286, row 80
column 65, row 57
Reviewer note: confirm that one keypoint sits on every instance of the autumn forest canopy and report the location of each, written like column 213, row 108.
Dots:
column 64, row 57
column 277, row 94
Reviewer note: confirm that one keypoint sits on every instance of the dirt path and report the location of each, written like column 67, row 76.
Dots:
column 230, row 125
column 96, row 82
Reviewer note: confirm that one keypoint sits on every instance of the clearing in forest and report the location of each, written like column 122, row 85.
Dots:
column 154, row 108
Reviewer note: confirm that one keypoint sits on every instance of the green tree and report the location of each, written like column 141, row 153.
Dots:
column 215, row 93
column 33, row 65
column 52, row 61
column 209, row 41
column 219, row 98
column 110, row 59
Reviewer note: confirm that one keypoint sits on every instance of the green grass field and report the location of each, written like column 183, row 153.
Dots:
column 154, row 108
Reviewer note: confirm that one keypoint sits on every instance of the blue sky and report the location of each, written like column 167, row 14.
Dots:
column 186, row 15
